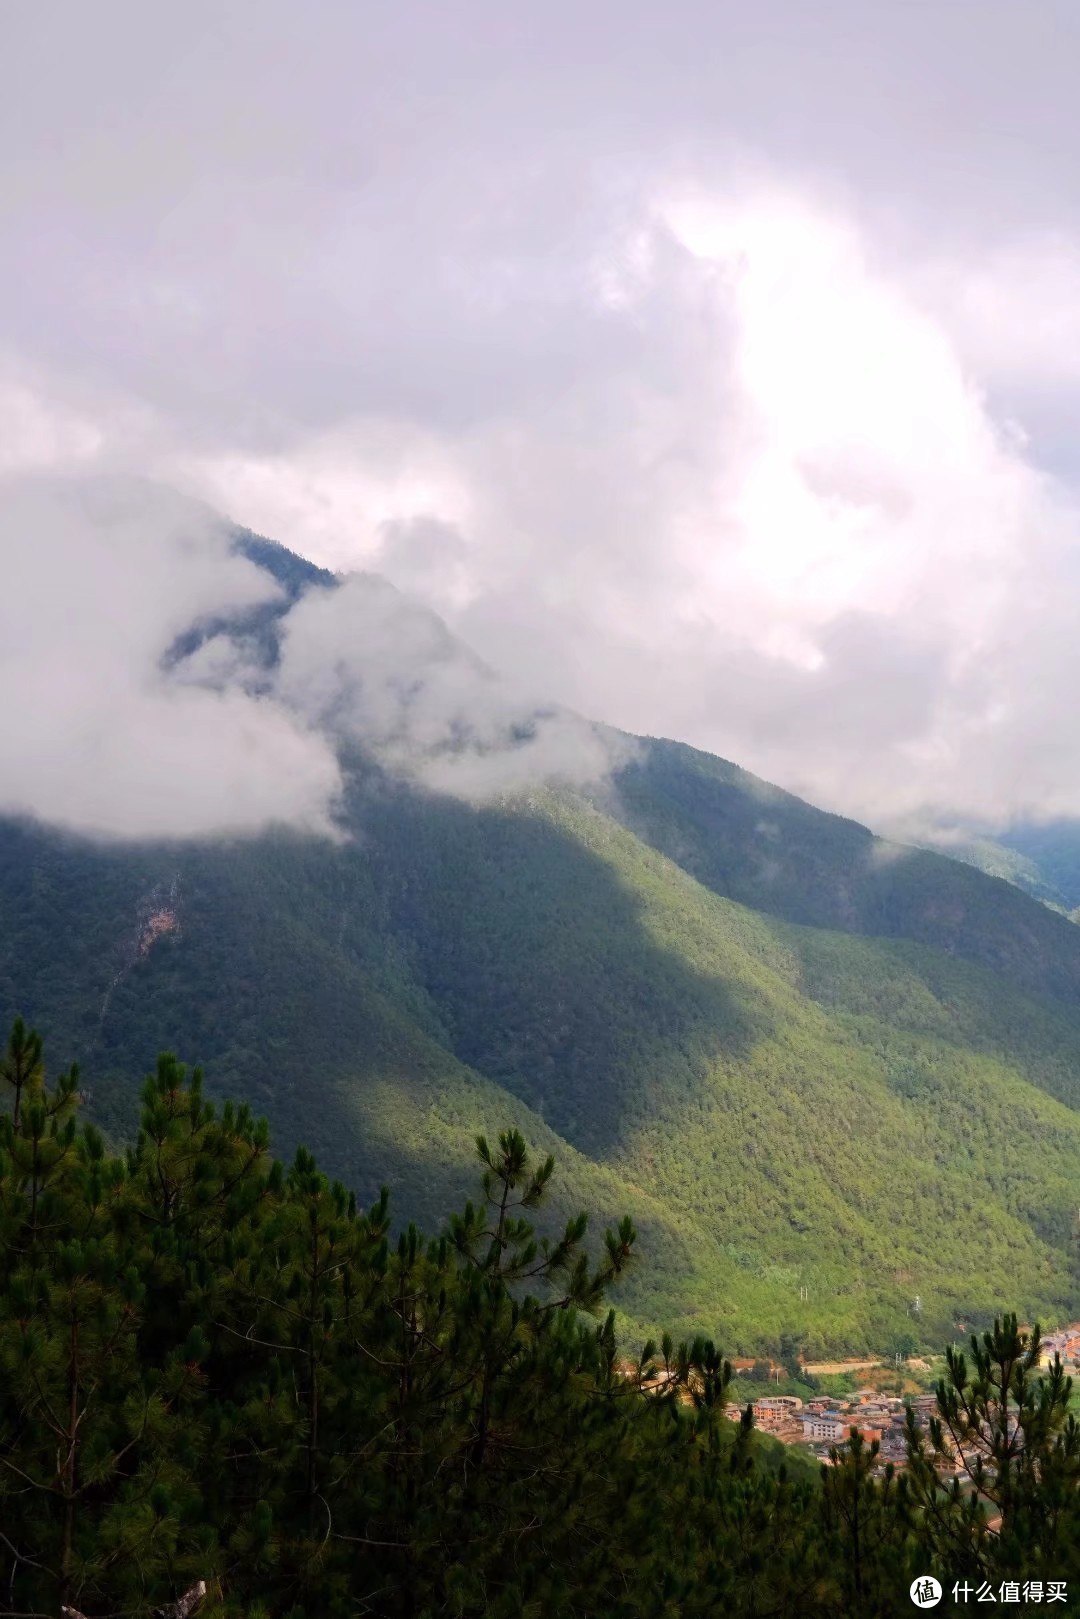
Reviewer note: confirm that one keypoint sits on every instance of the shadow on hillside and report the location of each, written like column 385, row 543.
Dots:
column 491, row 933
column 771, row 851
column 534, row 951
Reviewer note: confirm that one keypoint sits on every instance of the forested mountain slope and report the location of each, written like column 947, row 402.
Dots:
column 764, row 847
column 782, row 1108
column 995, row 857
column 825, row 1076
column 1053, row 849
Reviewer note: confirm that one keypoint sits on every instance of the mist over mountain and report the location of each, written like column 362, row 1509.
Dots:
column 203, row 694
column 295, row 830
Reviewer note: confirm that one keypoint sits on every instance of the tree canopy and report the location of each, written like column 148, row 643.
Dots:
column 218, row 1369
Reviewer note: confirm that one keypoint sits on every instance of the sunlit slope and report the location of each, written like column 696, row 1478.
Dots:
column 281, row 982
column 749, row 840
column 812, row 1129
column 856, row 1148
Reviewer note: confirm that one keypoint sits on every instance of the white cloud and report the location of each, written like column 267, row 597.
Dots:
column 337, row 494
column 722, row 393
column 35, row 435
column 100, row 579
column 814, row 548
column 1015, row 312
column 366, row 662
column 109, row 735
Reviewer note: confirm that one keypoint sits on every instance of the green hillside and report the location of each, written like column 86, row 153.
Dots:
column 1042, row 859
column 782, row 1108
column 1053, row 849
column 997, row 858
column 225, row 1387
column 770, row 850
column 828, row 1076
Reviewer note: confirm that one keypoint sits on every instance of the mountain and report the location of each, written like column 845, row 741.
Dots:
column 828, row 1076
column 1041, row 858
column 754, row 843
column 1053, row 850
column 997, row 859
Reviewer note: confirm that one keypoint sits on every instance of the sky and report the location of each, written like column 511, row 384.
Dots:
column 710, row 369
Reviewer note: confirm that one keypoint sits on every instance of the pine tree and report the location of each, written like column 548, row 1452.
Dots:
column 22, row 1066
column 1013, row 1432
column 225, row 1388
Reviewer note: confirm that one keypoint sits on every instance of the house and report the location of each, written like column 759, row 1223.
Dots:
column 822, row 1425
column 872, row 1411
column 774, row 1407
column 893, row 1448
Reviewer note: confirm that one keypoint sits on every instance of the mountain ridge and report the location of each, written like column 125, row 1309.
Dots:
column 813, row 1125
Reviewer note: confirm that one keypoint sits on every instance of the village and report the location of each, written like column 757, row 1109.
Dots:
column 827, row 1420
column 821, row 1423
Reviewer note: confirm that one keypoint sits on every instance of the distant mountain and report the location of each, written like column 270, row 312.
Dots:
column 826, row 1074
column 1042, row 859
column 767, row 849
column 1053, row 849
column 996, row 859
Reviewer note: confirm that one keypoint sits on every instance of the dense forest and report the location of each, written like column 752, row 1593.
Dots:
column 227, row 1387
column 804, row 1121
column 831, row 1076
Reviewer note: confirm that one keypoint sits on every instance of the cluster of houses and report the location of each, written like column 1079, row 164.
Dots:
column 1065, row 1343
column 826, row 1421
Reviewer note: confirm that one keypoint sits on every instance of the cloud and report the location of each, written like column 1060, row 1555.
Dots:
column 368, row 664
column 708, row 370
column 109, row 733
column 799, row 536
column 100, row 578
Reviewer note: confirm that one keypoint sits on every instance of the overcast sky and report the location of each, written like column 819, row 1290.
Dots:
column 712, row 368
